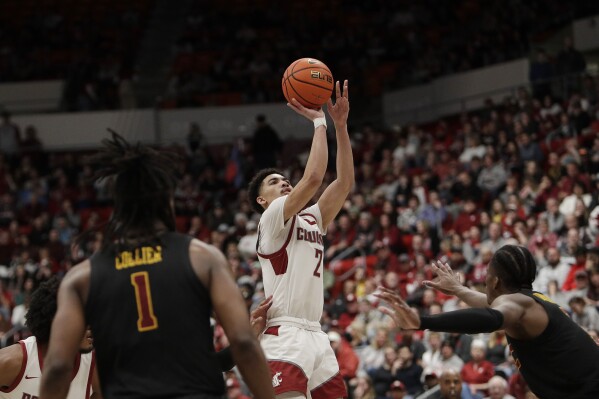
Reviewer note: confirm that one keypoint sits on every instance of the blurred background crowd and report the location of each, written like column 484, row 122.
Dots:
column 522, row 170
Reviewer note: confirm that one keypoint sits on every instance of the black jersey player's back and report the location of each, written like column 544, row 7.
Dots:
column 146, row 304
column 148, row 295
column 554, row 373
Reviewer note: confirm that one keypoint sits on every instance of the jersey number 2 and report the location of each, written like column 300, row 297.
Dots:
column 146, row 320
column 318, row 254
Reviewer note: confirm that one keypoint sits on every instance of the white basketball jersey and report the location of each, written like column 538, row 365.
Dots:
column 291, row 255
column 27, row 384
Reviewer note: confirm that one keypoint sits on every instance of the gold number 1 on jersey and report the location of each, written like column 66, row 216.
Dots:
column 146, row 320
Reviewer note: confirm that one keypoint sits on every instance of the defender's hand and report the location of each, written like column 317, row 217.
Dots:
column 446, row 281
column 404, row 316
column 258, row 316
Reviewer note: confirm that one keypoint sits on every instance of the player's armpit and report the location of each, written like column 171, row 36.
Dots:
column 11, row 360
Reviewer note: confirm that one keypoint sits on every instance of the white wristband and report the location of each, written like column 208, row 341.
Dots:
column 320, row 122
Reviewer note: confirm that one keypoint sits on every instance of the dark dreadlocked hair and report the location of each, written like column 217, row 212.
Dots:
column 254, row 187
column 42, row 309
column 143, row 184
column 515, row 266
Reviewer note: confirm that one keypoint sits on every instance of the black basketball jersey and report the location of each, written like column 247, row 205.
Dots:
column 150, row 319
column 562, row 362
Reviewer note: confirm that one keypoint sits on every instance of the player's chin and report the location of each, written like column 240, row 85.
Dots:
column 86, row 349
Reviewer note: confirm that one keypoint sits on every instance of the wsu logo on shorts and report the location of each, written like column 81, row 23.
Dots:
column 276, row 379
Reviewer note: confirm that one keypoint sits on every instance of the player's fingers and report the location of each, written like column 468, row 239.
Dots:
column 337, row 90
column 346, row 89
column 330, row 103
column 391, row 314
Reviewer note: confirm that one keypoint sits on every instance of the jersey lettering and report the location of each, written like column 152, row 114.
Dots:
column 145, row 310
column 318, row 255
column 138, row 257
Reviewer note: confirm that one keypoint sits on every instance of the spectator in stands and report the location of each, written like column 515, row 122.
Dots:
column 570, row 62
column 9, row 137
column 554, row 269
column 553, row 215
column 478, row 371
column 383, row 376
column 529, row 149
column 431, row 359
column 408, row 217
column 492, row 176
column 373, row 355
column 468, row 217
column 347, row 358
column 408, row 371
column 362, row 388
column 540, row 75
column 266, row 144
column 498, row 388
column 584, row 315
column 448, row 357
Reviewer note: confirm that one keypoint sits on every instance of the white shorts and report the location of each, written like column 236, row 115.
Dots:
column 301, row 359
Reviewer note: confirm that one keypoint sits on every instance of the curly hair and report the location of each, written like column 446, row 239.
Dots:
column 515, row 266
column 143, row 184
column 42, row 309
column 255, row 184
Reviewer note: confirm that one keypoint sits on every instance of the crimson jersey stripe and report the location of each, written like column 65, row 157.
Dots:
column 309, row 215
column 283, row 248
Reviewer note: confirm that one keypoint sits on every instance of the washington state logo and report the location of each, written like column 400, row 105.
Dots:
column 276, row 379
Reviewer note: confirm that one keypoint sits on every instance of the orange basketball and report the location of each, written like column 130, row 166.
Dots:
column 309, row 81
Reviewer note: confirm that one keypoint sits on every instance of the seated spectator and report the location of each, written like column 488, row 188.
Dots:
column 450, row 386
column 383, row 376
column 408, row 372
column 498, row 388
column 346, row 357
column 554, row 269
column 492, row 176
column 362, row 388
column 373, row 355
column 584, row 315
column 397, row 390
column 478, row 371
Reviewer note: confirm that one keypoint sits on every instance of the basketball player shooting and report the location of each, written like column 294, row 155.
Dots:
column 290, row 250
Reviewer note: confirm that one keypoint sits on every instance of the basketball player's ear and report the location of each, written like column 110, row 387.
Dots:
column 495, row 282
column 261, row 201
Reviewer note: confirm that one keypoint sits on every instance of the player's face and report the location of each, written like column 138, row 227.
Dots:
column 273, row 187
column 490, row 283
column 451, row 385
column 87, row 343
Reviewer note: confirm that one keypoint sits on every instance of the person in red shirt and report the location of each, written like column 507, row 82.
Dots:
column 478, row 371
column 346, row 357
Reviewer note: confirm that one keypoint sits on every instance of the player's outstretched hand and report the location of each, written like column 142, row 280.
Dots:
column 446, row 281
column 340, row 110
column 308, row 113
column 258, row 316
column 404, row 316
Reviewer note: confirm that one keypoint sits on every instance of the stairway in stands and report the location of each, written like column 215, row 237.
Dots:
column 166, row 23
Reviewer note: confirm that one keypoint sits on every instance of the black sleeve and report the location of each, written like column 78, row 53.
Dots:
column 465, row 321
column 225, row 359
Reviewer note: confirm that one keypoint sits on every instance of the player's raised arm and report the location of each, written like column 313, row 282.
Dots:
column 211, row 267
column 68, row 329
column 334, row 196
column 316, row 165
